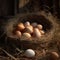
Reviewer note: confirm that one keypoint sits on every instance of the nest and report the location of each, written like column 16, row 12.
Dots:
column 47, row 20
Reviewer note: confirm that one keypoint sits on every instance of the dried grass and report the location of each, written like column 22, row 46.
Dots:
column 49, row 42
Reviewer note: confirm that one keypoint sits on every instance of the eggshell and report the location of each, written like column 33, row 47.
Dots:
column 27, row 23
column 42, row 32
column 29, row 29
column 37, row 33
column 29, row 53
column 25, row 36
column 55, row 54
column 39, row 26
column 34, row 24
column 21, row 26
column 18, row 33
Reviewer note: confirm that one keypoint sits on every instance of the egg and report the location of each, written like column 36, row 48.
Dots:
column 29, row 53
column 34, row 24
column 25, row 36
column 21, row 26
column 37, row 33
column 55, row 54
column 27, row 23
column 42, row 32
column 39, row 26
column 18, row 33
column 29, row 29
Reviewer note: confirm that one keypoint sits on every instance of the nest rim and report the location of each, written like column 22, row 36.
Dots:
column 48, row 35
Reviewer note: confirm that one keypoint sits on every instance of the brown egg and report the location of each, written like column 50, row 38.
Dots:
column 25, row 36
column 34, row 24
column 18, row 33
column 42, row 32
column 37, row 33
column 27, row 24
column 39, row 26
column 54, row 55
column 29, row 29
column 21, row 26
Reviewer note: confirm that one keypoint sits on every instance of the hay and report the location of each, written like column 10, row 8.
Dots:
column 47, row 20
column 50, row 26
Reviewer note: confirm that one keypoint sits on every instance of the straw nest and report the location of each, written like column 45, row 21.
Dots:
column 46, row 19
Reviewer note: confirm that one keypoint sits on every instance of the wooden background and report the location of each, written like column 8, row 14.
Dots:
column 11, row 7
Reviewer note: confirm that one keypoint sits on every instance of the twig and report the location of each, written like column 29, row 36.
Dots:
column 2, row 35
column 19, row 50
column 9, row 54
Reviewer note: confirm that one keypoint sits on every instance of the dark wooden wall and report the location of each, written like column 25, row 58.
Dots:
column 35, row 5
column 8, row 7
column 11, row 7
column 54, row 6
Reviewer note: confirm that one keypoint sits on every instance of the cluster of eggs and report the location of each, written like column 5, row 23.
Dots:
column 29, row 30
